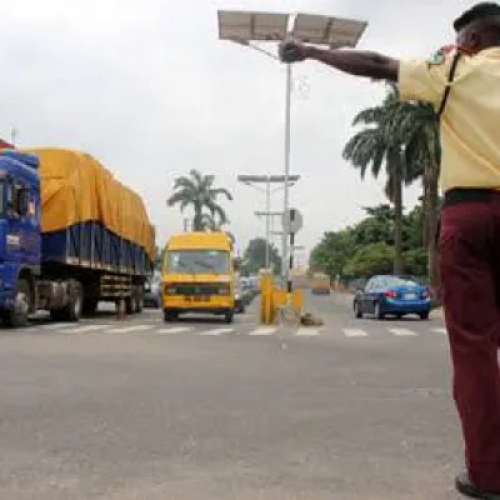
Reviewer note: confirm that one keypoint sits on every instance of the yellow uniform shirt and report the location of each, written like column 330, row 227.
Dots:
column 470, row 124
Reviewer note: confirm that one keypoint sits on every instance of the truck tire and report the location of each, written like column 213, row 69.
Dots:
column 140, row 305
column 17, row 316
column 130, row 305
column 139, row 299
column 73, row 311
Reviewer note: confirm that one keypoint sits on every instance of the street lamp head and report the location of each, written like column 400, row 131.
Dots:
column 252, row 26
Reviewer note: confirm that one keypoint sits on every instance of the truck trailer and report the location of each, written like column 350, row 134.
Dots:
column 71, row 236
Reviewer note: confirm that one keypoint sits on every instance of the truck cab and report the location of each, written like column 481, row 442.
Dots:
column 198, row 275
column 20, row 235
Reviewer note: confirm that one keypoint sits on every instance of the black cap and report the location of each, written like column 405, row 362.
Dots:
column 481, row 10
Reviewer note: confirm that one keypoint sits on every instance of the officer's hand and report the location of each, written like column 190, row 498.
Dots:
column 290, row 52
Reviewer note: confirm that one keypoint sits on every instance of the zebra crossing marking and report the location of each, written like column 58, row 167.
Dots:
column 402, row 332
column 307, row 332
column 263, row 330
column 84, row 329
column 130, row 329
column 55, row 326
column 175, row 329
column 443, row 331
column 216, row 331
column 354, row 332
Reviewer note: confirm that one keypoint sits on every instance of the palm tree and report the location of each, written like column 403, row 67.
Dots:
column 198, row 191
column 423, row 149
column 404, row 136
column 380, row 144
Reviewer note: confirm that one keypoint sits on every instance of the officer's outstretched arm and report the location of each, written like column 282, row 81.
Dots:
column 354, row 62
column 422, row 80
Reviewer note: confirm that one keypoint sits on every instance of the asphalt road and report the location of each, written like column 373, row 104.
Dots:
column 139, row 409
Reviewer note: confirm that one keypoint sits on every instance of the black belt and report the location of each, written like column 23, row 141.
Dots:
column 461, row 195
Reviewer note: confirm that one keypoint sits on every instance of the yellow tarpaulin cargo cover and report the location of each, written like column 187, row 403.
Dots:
column 76, row 188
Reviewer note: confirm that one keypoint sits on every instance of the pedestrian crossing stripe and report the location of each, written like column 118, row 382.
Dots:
column 263, row 330
column 240, row 329
column 130, row 329
column 439, row 330
column 217, row 331
column 307, row 332
column 175, row 329
column 402, row 332
column 353, row 332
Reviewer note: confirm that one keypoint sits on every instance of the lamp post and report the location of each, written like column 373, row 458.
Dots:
column 248, row 28
column 255, row 181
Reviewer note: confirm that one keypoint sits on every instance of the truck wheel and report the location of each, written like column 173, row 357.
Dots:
column 131, row 305
column 17, row 315
column 140, row 305
column 73, row 311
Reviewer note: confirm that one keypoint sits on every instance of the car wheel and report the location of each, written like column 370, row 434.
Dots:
column 357, row 310
column 424, row 315
column 377, row 312
column 169, row 315
column 229, row 316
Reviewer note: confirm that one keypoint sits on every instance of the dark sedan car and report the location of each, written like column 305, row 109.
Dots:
column 392, row 296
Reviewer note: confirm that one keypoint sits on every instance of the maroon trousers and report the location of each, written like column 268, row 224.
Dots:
column 469, row 245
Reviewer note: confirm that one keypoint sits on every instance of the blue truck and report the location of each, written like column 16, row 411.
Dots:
column 70, row 237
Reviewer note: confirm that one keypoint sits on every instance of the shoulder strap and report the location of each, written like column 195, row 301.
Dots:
column 447, row 89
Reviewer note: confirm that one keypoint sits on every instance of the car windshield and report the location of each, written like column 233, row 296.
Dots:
column 391, row 281
column 197, row 261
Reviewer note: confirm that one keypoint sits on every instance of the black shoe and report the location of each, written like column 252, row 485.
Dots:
column 465, row 486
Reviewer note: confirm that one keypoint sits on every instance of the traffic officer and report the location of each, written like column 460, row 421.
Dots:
column 464, row 89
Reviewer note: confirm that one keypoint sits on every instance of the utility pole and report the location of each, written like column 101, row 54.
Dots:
column 255, row 182
column 13, row 136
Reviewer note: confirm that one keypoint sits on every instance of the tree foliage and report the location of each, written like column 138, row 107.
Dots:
column 401, row 138
column 199, row 192
column 367, row 248
column 254, row 257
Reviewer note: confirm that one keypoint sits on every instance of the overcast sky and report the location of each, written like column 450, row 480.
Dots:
column 147, row 88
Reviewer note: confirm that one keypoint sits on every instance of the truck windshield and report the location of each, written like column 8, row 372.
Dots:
column 197, row 261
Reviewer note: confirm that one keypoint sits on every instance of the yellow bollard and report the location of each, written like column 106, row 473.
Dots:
column 266, row 291
column 298, row 301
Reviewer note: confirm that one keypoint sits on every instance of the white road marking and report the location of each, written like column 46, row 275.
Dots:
column 175, row 329
column 217, row 331
column 55, row 326
column 263, row 330
column 440, row 330
column 402, row 332
column 353, row 332
column 129, row 329
column 307, row 332
column 85, row 329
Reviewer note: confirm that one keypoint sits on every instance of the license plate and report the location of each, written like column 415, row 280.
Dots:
column 201, row 298
column 410, row 296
